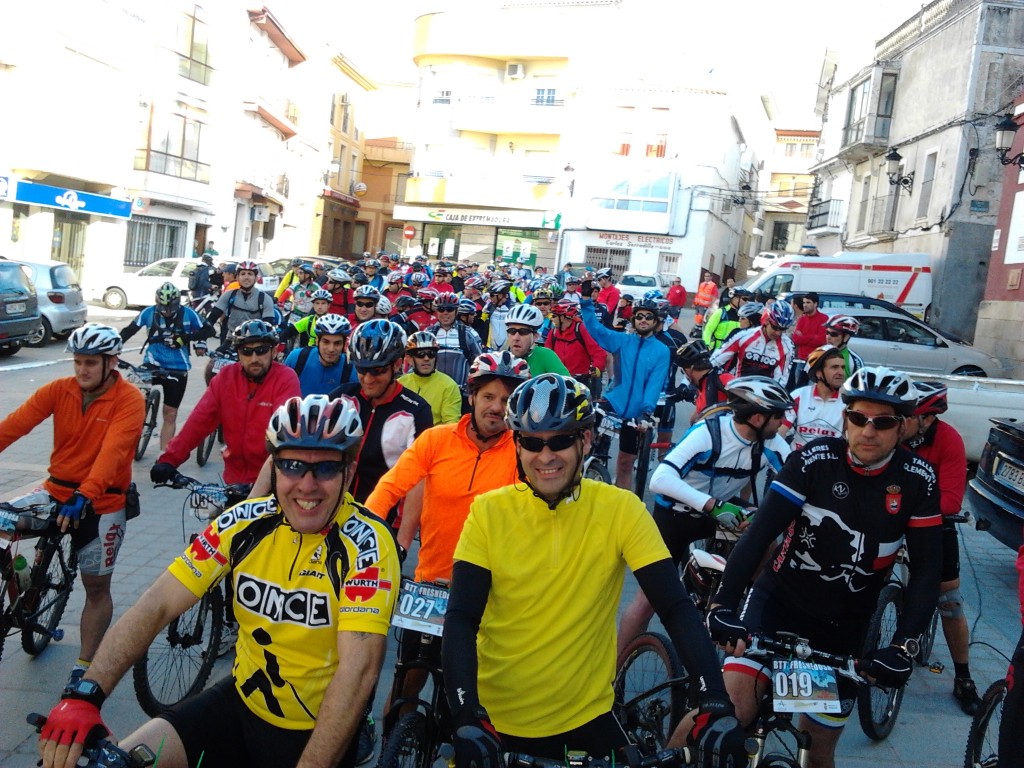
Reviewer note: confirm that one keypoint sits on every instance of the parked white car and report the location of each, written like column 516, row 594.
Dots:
column 637, row 284
column 137, row 289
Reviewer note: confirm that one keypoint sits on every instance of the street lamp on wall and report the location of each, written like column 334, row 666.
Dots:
column 1006, row 129
column 892, row 169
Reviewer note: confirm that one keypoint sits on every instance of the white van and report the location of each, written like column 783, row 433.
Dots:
column 905, row 279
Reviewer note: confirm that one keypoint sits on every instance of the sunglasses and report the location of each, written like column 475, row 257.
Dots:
column 881, row 423
column 542, row 303
column 643, row 316
column 833, row 333
column 322, row 470
column 366, row 304
column 424, row 354
column 556, row 443
column 377, row 370
column 777, row 327
column 445, row 309
column 262, row 349
column 521, row 332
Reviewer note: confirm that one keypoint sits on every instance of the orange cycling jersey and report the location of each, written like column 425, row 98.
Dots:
column 93, row 446
column 456, row 472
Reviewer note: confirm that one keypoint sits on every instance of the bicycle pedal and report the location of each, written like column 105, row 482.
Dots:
column 936, row 667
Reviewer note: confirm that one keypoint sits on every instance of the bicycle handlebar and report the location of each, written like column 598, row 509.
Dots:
column 102, row 753
column 666, row 758
column 788, row 644
column 184, row 482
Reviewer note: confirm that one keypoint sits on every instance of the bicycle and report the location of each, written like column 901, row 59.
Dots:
column 595, row 466
column 702, row 573
column 37, row 607
column 179, row 661
column 803, row 680
column 652, row 691
column 666, row 758
column 220, row 358
column 983, row 738
column 416, row 738
column 877, row 706
column 100, row 753
column 142, row 377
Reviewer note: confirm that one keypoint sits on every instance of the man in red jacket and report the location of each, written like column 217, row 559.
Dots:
column 575, row 347
column 808, row 335
column 609, row 294
column 241, row 398
column 676, row 298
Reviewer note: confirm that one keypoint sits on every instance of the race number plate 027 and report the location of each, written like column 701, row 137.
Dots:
column 421, row 607
column 799, row 686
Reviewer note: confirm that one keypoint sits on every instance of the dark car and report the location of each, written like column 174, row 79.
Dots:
column 19, row 308
column 996, row 492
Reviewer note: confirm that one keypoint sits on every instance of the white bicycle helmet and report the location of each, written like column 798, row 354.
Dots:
column 367, row 292
column 395, row 277
column 384, row 306
column 421, row 340
column 94, row 339
column 446, row 300
column 338, row 275
column 468, row 307
column 376, row 343
column 248, row 266
column 419, row 278
column 321, row 293
column 879, row 384
column 843, row 323
column 757, row 394
column 315, row 422
column 525, row 314
column 333, row 325
column 605, row 273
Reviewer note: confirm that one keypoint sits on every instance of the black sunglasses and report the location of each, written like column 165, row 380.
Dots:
column 556, row 443
column 262, row 349
column 322, row 470
column 643, row 316
column 445, row 309
column 521, row 332
column 377, row 370
column 366, row 304
column 424, row 354
column 881, row 423
column 833, row 333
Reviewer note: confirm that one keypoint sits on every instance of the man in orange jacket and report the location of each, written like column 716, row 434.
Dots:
column 97, row 420
column 707, row 295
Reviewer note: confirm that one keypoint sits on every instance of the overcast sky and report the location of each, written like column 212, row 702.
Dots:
column 776, row 47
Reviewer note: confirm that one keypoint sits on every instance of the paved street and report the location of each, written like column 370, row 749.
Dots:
column 931, row 731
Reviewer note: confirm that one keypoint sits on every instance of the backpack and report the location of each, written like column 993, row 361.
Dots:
column 305, row 352
column 178, row 328
column 460, row 327
column 714, row 426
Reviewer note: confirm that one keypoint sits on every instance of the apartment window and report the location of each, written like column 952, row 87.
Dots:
column 150, row 239
column 865, row 203
column 886, row 101
column 806, row 150
column 790, row 149
column 174, row 146
column 856, row 113
column 924, row 186
column 625, row 139
column 782, row 233
column 645, row 194
column 544, row 97
column 657, row 148
column 193, row 48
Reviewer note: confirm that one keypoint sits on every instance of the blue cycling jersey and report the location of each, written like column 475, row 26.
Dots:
column 165, row 345
column 314, row 377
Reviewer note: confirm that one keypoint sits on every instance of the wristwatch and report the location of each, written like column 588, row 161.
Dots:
column 85, row 690
column 909, row 646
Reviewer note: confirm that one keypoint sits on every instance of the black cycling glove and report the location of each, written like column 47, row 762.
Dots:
column 162, row 472
column 719, row 740
column 889, row 666
column 725, row 626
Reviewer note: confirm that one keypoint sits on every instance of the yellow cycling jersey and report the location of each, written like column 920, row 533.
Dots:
column 546, row 644
column 292, row 594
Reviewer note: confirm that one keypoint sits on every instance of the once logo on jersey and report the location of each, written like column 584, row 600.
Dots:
column 893, row 499
column 298, row 606
column 363, row 586
column 205, row 546
column 365, row 538
column 840, row 490
column 247, row 510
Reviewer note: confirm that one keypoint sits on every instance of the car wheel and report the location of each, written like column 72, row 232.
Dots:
column 114, row 298
column 969, row 370
column 42, row 337
column 7, row 350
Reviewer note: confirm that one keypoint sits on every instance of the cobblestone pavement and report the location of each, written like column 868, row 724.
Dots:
column 931, row 732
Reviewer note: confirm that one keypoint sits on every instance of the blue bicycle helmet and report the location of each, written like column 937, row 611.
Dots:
column 376, row 343
column 550, row 403
column 779, row 314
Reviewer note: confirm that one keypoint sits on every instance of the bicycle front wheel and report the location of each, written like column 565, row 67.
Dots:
column 878, row 707
column 205, row 449
column 47, row 597
column 407, row 746
column 595, row 469
column 983, row 739
column 149, row 424
column 181, row 658
column 6, row 572
column 651, row 690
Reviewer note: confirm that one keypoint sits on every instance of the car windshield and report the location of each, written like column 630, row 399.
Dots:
column 158, row 269
column 640, row 281
column 64, row 277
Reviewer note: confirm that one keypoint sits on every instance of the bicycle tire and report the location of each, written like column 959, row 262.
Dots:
column 52, row 582
column 180, row 659
column 6, row 572
column 597, row 470
column 205, row 449
column 928, row 641
column 878, row 707
column 149, row 425
column 407, row 746
column 983, row 738
column 649, row 716
column 643, row 462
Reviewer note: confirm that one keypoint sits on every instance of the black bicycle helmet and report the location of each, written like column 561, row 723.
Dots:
column 254, row 330
column 878, row 384
column 376, row 343
column 550, row 403
column 693, row 354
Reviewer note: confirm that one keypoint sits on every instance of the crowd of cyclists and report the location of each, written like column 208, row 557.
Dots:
column 383, row 402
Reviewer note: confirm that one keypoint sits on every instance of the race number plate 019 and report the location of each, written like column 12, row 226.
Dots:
column 799, row 686
column 421, row 607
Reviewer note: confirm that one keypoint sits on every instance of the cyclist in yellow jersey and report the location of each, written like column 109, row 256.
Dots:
column 314, row 579
column 529, row 636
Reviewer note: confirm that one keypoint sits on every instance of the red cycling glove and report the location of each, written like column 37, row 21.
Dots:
column 74, row 721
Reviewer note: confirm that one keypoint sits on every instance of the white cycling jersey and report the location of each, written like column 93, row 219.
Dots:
column 751, row 353
column 814, row 417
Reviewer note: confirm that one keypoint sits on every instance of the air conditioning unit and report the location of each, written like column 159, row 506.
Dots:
column 260, row 213
column 515, row 71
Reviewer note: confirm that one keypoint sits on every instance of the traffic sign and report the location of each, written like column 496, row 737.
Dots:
column 409, row 232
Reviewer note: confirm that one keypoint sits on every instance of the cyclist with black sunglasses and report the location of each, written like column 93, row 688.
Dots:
column 439, row 390
column 529, row 647
column 314, row 580
column 843, row 506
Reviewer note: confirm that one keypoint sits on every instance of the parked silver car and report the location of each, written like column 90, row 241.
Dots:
column 907, row 344
column 60, row 300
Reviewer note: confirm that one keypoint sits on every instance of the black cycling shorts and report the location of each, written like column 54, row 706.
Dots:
column 601, row 737
column 217, row 727
column 173, row 386
column 950, row 552
column 680, row 529
column 629, row 440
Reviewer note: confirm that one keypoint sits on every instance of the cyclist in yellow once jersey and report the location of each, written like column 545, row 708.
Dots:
column 314, row 579
column 529, row 635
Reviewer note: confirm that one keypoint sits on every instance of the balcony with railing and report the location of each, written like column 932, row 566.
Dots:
column 508, row 114
column 826, row 217
column 388, row 151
